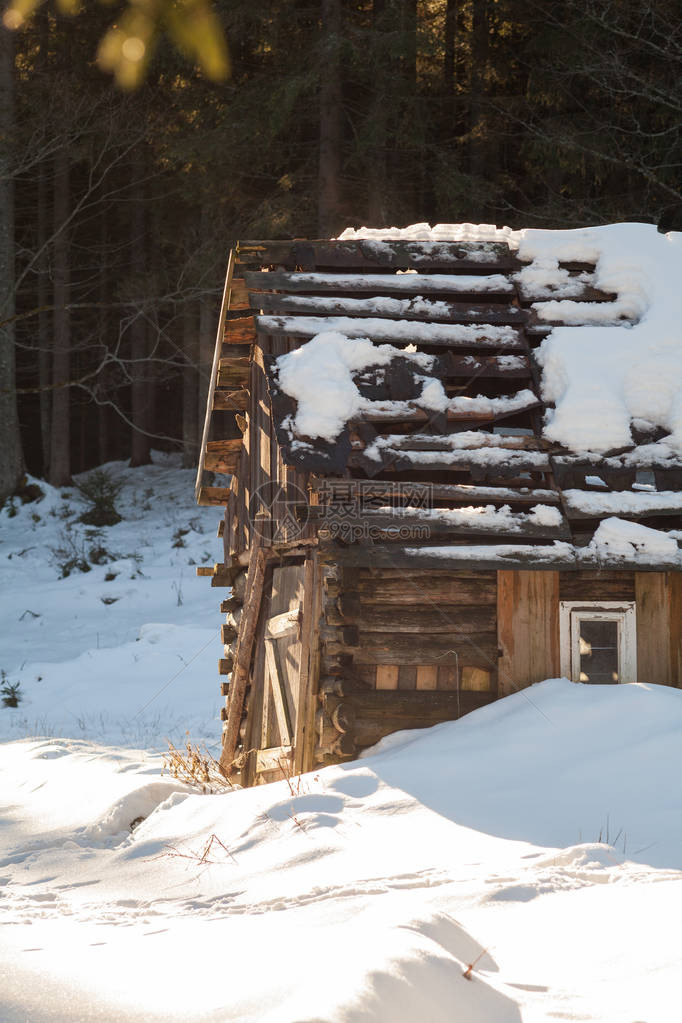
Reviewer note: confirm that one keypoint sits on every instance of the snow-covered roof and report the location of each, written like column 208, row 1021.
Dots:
column 484, row 357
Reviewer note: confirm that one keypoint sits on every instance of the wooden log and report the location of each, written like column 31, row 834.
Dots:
column 233, row 373
column 425, row 494
column 252, row 604
column 536, row 293
column 401, row 308
column 478, row 650
column 227, row 634
column 433, row 617
column 205, row 570
column 403, row 527
column 231, row 401
column 446, row 442
column 222, row 455
column 413, row 414
column 224, row 688
column 240, row 330
column 379, row 713
column 230, row 604
column 371, row 254
column 239, row 295
column 436, row 335
column 212, row 496
column 597, row 585
column 225, row 665
column 490, row 556
column 408, row 589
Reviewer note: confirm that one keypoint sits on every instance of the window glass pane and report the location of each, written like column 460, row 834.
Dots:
column 599, row 652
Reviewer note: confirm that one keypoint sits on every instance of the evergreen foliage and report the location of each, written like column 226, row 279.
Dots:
column 378, row 112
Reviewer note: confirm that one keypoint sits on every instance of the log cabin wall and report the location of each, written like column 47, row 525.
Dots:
column 402, row 650
column 375, row 647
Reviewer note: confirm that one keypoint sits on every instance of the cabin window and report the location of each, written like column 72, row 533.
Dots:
column 598, row 641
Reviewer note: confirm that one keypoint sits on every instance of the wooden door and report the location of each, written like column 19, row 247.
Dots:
column 281, row 675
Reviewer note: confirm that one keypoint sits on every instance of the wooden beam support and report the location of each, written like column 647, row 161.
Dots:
column 252, row 603
column 277, row 758
column 401, row 308
column 424, row 494
column 223, row 455
column 213, row 496
column 395, row 255
column 433, row 335
column 198, row 485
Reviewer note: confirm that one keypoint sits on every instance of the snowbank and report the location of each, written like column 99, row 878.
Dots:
column 125, row 652
column 538, row 841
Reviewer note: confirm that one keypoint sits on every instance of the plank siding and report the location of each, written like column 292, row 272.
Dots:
column 653, row 628
column 675, row 618
column 659, row 627
column 528, row 628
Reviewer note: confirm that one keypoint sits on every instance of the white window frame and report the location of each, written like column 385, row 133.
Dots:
column 572, row 612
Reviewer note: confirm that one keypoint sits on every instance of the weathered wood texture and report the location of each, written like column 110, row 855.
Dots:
column 379, row 713
column 417, row 631
column 214, row 378
column 395, row 255
column 282, row 661
column 527, row 628
column 597, row 585
column 659, row 629
column 240, row 674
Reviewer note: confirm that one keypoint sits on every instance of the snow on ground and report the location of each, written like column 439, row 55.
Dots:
column 93, row 651
column 539, row 839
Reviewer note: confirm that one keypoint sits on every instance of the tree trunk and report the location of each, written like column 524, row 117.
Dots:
column 11, row 459
column 141, row 442
column 449, row 47
column 328, row 221
column 478, row 82
column 190, row 390
column 376, row 206
column 44, row 367
column 60, row 440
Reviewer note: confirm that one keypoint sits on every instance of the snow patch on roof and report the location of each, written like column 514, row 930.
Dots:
column 619, row 538
column 600, row 377
column 319, row 375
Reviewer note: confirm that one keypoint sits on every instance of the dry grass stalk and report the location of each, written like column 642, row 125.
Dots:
column 197, row 767
column 203, row 858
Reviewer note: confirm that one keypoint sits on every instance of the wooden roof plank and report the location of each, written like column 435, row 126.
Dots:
column 415, row 308
column 405, row 284
column 395, row 331
column 453, row 492
column 372, row 253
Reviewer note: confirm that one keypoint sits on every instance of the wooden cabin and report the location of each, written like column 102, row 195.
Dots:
column 425, row 561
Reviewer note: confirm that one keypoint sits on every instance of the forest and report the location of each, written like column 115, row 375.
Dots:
column 118, row 207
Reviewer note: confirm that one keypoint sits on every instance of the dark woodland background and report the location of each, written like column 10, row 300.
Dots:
column 117, row 210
